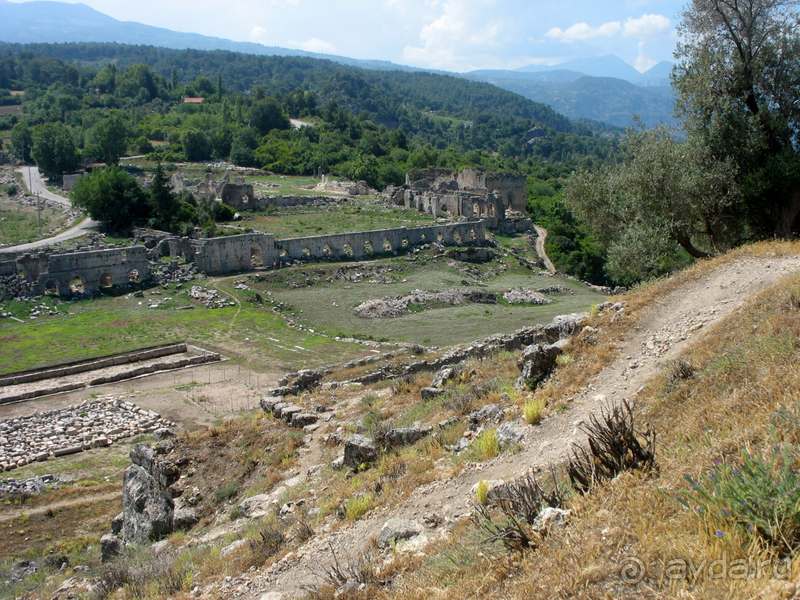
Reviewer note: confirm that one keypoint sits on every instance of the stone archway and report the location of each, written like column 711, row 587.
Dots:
column 134, row 276
column 256, row 256
column 77, row 285
column 106, row 280
column 51, row 287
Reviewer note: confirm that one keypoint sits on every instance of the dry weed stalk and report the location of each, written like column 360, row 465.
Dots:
column 614, row 446
column 520, row 502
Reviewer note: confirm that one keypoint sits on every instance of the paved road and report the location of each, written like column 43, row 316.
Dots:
column 31, row 174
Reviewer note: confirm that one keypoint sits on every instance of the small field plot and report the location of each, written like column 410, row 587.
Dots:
column 340, row 217
column 329, row 307
column 280, row 185
column 19, row 222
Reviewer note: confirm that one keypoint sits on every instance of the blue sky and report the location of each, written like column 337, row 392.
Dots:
column 453, row 35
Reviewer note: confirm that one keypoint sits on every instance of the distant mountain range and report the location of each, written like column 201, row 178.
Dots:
column 606, row 66
column 57, row 22
column 601, row 88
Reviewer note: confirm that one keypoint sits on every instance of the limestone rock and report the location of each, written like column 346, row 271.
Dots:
column 509, row 434
column 405, row 436
column 358, row 450
column 444, row 375
column 117, row 523
column 491, row 413
column 551, row 517
column 184, row 519
column 397, row 529
column 428, row 393
column 148, row 508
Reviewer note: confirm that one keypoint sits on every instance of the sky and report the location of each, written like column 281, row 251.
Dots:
column 451, row 35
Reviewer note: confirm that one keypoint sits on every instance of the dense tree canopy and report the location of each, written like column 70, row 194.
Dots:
column 738, row 80
column 53, row 149
column 110, row 195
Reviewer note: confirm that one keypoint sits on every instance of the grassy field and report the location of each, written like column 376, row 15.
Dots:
column 354, row 216
column 329, row 307
column 254, row 335
column 249, row 333
column 19, row 222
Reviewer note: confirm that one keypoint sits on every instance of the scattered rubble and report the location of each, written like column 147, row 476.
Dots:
column 91, row 424
column 522, row 296
column 25, row 488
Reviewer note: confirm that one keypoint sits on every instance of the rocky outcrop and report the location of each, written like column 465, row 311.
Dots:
column 537, row 361
column 359, row 450
column 405, row 436
column 146, row 500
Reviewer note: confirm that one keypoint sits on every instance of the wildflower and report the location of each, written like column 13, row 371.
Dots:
column 719, row 533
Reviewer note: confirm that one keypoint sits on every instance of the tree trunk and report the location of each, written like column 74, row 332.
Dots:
column 687, row 245
column 789, row 212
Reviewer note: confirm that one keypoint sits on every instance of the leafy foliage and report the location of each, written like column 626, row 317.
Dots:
column 110, row 195
column 757, row 497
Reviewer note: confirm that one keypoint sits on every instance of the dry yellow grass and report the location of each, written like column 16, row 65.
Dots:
column 631, row 538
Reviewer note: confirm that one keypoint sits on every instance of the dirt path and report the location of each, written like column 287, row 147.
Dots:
column 667, row 328
column 541, row 236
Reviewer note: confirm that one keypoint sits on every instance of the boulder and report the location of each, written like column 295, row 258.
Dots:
column 147, row 507
column 184, row 519
column 397, row 529
column 538, row 360
column 302, row 419
column 117, row 523
column 428, row 393
column 163, row 433
column 444, row 375
column 261, row 505
column 358, row 450
column 288, row 411
column 405, row 436
column 491, row 413
column 509, row 434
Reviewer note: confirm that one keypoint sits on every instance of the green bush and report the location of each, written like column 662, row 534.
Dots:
column 757, row 498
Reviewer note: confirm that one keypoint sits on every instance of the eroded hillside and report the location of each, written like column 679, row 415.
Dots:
column 707, row 361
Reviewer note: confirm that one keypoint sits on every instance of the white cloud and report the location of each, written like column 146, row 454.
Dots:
column 646, row 26
column 583, row 31
column 314, row 45
column 456, row 30
column 642, row 62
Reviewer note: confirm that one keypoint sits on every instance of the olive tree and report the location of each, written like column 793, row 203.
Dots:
column 666, row 196
column 738, row 84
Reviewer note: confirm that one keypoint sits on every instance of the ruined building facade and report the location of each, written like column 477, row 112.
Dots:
column 469, row 193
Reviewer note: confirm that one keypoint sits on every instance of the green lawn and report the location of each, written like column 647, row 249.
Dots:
column 356, row 215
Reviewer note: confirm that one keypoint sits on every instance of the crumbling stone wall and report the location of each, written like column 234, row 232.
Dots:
column 470, row 193
column 95, row 269
column 235, row 253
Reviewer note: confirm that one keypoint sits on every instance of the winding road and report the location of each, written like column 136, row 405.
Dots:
column 32, row 179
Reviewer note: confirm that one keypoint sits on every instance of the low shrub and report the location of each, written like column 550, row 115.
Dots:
column 534, row 410
column 757, row 498
column 355, row 508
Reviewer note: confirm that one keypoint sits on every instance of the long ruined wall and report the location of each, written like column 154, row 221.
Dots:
column 235, row 253
column 216, row 256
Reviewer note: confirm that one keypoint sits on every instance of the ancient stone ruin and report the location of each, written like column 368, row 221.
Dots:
column 470, row 193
